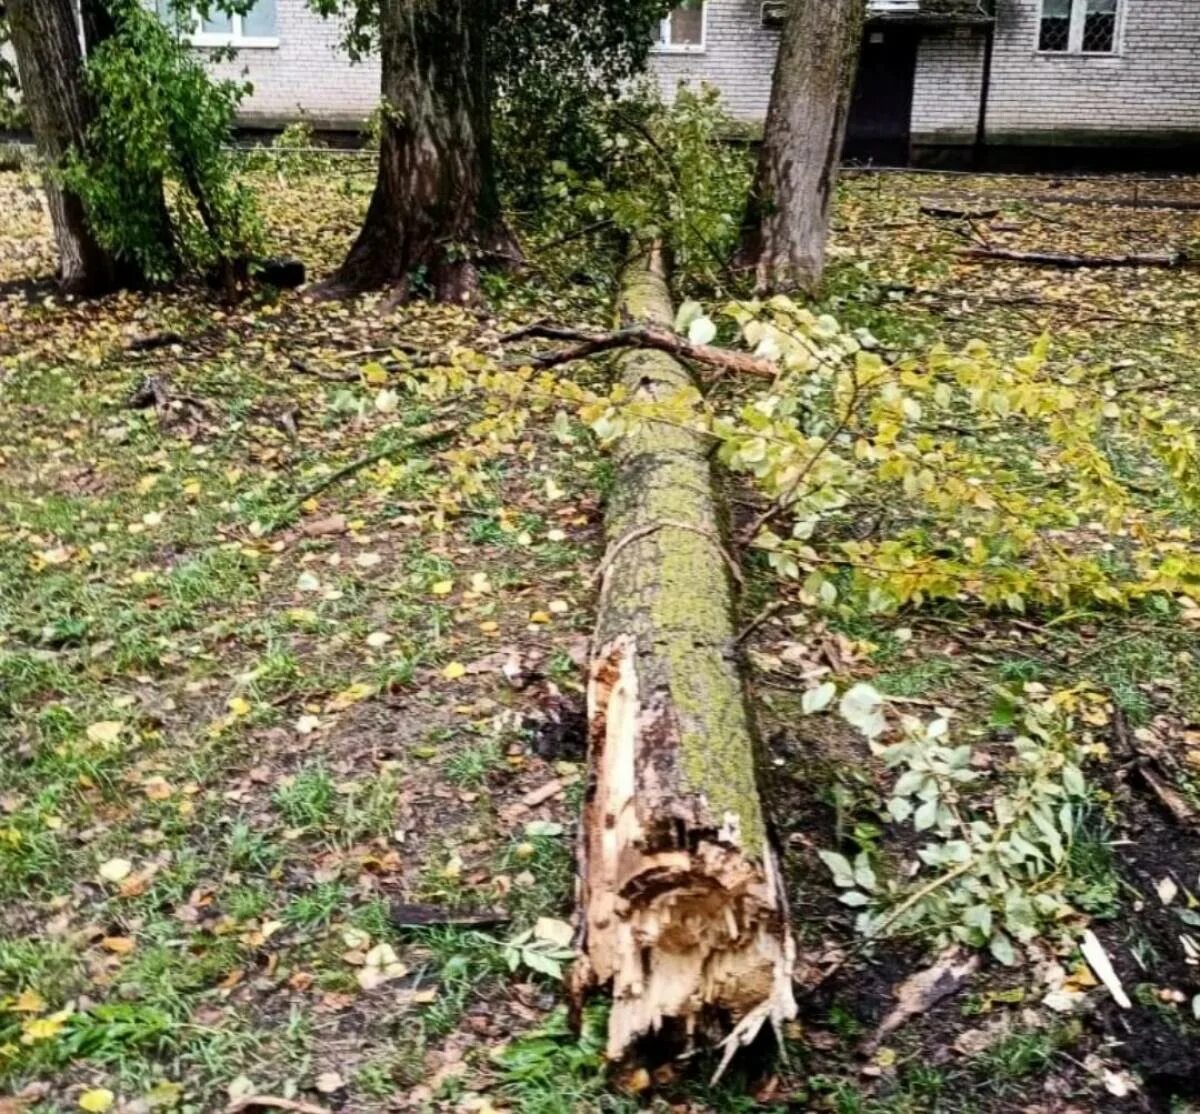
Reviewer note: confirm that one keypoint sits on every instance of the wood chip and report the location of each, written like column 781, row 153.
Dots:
column 1097, row 959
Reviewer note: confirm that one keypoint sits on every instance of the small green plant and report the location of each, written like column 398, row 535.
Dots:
column 553, row 1069
column 158, row 187
column 999, row 863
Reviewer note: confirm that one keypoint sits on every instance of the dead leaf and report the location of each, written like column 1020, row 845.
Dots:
column 922, row 991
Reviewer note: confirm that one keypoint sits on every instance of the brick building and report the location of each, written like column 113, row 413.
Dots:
column 949, row 81
column 978, row 81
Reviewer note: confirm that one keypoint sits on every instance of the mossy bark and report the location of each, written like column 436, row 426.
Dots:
column 684, row 911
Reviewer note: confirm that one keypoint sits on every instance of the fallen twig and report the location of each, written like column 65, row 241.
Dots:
column 153, row 341
column 438, row 433
column 635, row 336
column 1069, row 260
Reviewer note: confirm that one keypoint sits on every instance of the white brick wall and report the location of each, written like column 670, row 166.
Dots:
column 1152, row 84
column 738, row 58
column 948, row 83
column 306, row 74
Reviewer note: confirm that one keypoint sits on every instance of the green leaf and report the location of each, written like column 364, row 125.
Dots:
column 542, row 964
column 818, row 699
column 702, row 330
column 862, row 707
column 839, row 867
column 1001, row 948
column 863, row 874
column 688, row 312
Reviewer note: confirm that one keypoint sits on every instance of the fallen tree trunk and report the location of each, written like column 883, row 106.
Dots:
column 683, row 906
column 1068, row 260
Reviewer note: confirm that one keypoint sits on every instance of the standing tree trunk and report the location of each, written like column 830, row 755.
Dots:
column 435, row 213
column 787, row 220
column 684, row 908
column 45, row 38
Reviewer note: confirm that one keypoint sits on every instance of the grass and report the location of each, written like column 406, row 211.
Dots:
column 269, row 849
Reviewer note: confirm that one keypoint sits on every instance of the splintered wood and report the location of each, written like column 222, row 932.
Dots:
column 684, row 911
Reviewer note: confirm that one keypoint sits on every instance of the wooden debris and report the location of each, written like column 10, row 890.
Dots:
column 1071, row 261
column 957, row 210
column 684, row 909
column 1097, row 959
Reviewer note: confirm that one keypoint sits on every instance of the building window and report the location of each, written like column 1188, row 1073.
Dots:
column 682, row 28
column 256, row 28
column 1079, row 26
column 1100, row 27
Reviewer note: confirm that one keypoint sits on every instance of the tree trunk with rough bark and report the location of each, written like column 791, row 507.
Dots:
column 45, row 39
column 787, row 220
column 683, row 906
column 435, row 213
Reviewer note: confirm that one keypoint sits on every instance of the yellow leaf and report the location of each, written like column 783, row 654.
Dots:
column 489, row 627
column 559, row 607
column 59, row 556
column 157, row 789
column 118, row 945
column 97, row 1100
column 352, row 695
column 540, row 617
column 43, row 1028
column 375, row 373
column 454, row 670
column 115, row 869
column 239, row 705
column 106, row 731
column 28, row 1001
column 443, row 588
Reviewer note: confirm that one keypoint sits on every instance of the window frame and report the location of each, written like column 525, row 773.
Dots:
column 663, row 45
column 1076, row 31
column 235, row 36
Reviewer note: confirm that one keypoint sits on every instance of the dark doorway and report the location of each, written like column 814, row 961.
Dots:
column 881, row 110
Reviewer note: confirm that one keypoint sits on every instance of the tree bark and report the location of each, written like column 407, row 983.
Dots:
column 435, row 213
column 45, row 39
column 684, row 909
column 787, row 219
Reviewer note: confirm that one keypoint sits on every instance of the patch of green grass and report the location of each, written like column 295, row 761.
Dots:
column 553, row 1070
column 247, row 848
column 371, row 809
column 1095, row 885
column 308, row 800
column 1021, row 1055
column 917, row 678
column 317, row 906
column 549, row 860
column 472, row 764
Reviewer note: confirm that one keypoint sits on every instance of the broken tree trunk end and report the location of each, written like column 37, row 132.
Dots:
column 683, row 904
